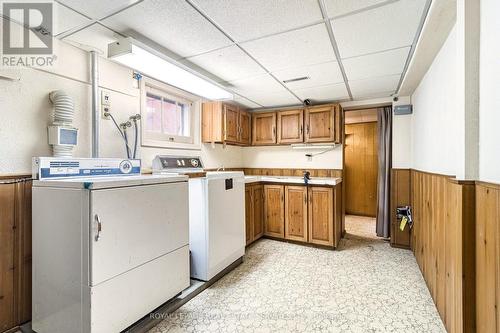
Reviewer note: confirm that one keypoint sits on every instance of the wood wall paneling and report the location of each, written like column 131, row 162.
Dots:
column 15, row 254
column 361, row 169
column 443, row 240
column 400, row 196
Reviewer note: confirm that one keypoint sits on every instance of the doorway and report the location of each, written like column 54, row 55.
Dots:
column 361, row 172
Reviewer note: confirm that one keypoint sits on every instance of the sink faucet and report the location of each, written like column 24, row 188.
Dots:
column 221, row 168
column 307, row 177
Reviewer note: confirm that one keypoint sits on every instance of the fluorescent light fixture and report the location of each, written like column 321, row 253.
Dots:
column 130, row 53
column 307, row 146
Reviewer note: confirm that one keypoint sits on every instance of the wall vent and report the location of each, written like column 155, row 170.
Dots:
column 297, row 79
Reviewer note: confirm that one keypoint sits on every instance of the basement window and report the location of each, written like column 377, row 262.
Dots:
column 167, row 117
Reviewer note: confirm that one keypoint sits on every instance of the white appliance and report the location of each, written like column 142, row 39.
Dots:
column 216, row 215
column 107, row 249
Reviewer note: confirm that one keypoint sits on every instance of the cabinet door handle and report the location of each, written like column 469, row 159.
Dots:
column 307, row 129
column 301, row 130
column 305, row 199
column 99, row 227
column 274, row 132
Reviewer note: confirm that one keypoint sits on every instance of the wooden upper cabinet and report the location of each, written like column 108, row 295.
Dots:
column 290, row 126
column 245, row 135
column 319, row 123
column 320, row 209
column 225, row 123
column 231, row 123
column 258, row 210
column 296, row 213
column 264, row 128
column 274, row 210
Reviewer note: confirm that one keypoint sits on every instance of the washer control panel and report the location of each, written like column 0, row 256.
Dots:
column 179, row 164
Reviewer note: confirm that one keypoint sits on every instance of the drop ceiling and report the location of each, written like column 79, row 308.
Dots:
column 346, row 50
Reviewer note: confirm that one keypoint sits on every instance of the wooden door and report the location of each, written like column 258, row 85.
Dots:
column 274, row 211
column 296, row 213
column 264, row 128
column 258, row 211
column 319, row 123
column 248, row 214
column 361, row 169
column 320, row 211
column 245, row 129
column 231, row 119
column 290, row 126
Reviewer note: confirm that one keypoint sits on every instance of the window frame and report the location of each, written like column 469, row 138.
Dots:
column 162, row 140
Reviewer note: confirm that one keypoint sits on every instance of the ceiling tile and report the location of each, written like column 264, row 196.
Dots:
column 374, row 87
column 173, row 24
column 94, row 37
column 319, row 74
column 378, row 64
column 331, row 92
column 67, row 19
column 97, row 9
column 246, row 103
column 255, row 84
column 274, row 98
column 297, row 48
column 229, row 63
column 257, row 18
column 383, row 28
column 342, row 7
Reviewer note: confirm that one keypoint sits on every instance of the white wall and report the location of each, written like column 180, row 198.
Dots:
column 435, row 127
column 286, row 157
column 489, row 116
column 401, row 137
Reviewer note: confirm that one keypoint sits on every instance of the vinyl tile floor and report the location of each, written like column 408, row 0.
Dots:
column 364, row 286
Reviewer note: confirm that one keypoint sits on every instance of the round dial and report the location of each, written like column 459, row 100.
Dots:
column 195, row 163
column 126, row 166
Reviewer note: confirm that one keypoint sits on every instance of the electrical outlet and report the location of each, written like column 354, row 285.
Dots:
column 105, row 98
column 104, row 110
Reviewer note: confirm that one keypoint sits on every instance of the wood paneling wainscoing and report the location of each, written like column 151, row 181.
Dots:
column 487, row 257
column 293, row 172
column 15, row 252
column 443, row 240
column 400, row 196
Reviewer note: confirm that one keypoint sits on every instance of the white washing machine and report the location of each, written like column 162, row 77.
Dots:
column 216, row 214
column 107, row 249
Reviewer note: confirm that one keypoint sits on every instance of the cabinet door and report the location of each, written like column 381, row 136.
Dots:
column 264, row 128
column 321, row 215
column 211, row 122
column 291, row 126
column 319, row 124
column 274, row 211
column 258, row 211
column 231, row 119
column 296, row 213
column 245, row 129
column 249, row 214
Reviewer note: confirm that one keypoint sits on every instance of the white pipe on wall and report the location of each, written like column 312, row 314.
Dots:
column 94, row 74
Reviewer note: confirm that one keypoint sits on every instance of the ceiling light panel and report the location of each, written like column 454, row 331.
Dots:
column 342, row 7
column 319, row 74
column 378, row 64
column 331, row 92
column 258, row 18
column 98, row 9
column 229, row 63
column 67, row 19
column 296, row 48
column 95, row 37
column 173, row 24
column 383, row 28
column 374, row 87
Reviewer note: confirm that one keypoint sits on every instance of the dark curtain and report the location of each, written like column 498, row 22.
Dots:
column 384, row 172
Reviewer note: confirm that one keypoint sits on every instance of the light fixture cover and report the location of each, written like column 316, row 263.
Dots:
column 131, row 54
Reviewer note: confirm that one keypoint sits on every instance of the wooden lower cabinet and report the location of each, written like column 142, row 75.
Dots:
column 296, row 213
column 254, row 212
column 320, row 209
column 274, row 211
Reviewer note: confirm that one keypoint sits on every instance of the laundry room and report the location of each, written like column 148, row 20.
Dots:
column 249, row 166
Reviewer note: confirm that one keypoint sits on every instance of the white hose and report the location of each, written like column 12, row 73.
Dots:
column 64, row 111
